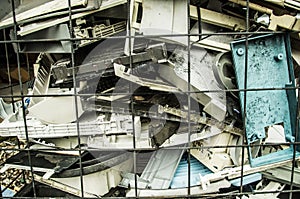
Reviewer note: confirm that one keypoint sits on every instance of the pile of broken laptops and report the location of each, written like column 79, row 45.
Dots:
column 151, row 98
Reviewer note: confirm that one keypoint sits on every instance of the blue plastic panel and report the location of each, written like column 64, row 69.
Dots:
column 269, row 66
column 248, row 179
column 180, row 179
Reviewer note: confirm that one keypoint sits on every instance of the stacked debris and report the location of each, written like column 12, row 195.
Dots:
column 152, row 98
column 12, row 180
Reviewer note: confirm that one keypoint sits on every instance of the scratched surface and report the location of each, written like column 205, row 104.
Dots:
column 267, row 68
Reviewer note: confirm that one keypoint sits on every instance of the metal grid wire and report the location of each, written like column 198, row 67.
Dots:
column 31, row 178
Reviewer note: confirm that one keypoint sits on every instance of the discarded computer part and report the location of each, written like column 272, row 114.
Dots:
column 61, row 70
column 266, row 15
column 142, row 136
column 214, row 187
column 217, row 158
column 36, row 129
column 259, row 187
column 41, row 83
column 146, row 50
column 86, row 73
column 145, row 104
column 201, row 79
column 65, row 170
column 163, row 132
column 168, row 22
column 96, row 72
column 147, row 18
column 35, row 10
column 165, row 17
column 262, row 189
column 41, row 22
column 142, row 140
column 41, row 162
column 163, row 125
column 142, row 74
column 235, row 172
column 159, row 131
column 96, row 171
column 123, row 72
column 173, row 78
column 224, row 71
column 285, row 21
column 119, row 164
column 6, row 109
column 59, row 145
column 54, row 33
column 159, row 171
column 166, row 174
column 157, row 52
column 270, row 98
column 52, row 110
column 180, row 192
column 99, row 64
column 218, row 43
column 97, row 32
column 246, row 180
column 201, row 119
column 209, row 183
column 197, row 170
column 283, row 174
column 217, row 18
column 167, row 133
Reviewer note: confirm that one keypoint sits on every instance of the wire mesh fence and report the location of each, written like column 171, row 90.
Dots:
column 149, row 99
